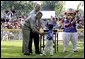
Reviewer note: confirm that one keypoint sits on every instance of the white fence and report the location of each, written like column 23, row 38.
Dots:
column 11, row 34
column 16, row 34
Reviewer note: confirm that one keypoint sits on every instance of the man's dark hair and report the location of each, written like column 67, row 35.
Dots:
column 39, row 13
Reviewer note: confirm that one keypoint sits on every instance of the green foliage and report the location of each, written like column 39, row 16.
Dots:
column 48, row 5
column 22, row 7
column 59, row 7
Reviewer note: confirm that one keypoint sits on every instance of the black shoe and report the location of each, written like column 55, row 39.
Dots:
column 38, row 52
column 76, row 51
column 26, row 53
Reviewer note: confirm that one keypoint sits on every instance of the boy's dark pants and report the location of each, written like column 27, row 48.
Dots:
column 35, row 36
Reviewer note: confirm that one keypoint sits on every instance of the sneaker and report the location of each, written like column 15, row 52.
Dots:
column 42, row 55
column 30, row 53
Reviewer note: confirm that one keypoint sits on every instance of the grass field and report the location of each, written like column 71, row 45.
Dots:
column 13, row 49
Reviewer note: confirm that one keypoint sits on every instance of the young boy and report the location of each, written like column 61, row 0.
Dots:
column 34, row 33
column 49, row 44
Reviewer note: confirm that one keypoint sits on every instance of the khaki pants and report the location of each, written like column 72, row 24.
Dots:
column 26, row 38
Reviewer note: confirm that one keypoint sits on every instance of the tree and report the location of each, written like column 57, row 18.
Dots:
column 22, row 7
column 48, row 5
column 59, row 7
column 81, row 4
column 78, row 6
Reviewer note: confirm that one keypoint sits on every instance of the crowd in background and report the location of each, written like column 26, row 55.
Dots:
column 10, row 20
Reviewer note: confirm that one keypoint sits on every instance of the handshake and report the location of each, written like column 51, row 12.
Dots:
column 41, row 31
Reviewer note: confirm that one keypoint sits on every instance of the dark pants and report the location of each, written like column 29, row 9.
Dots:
column 35, row 36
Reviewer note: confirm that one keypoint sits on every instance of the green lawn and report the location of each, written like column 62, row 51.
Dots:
column 13, row 49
